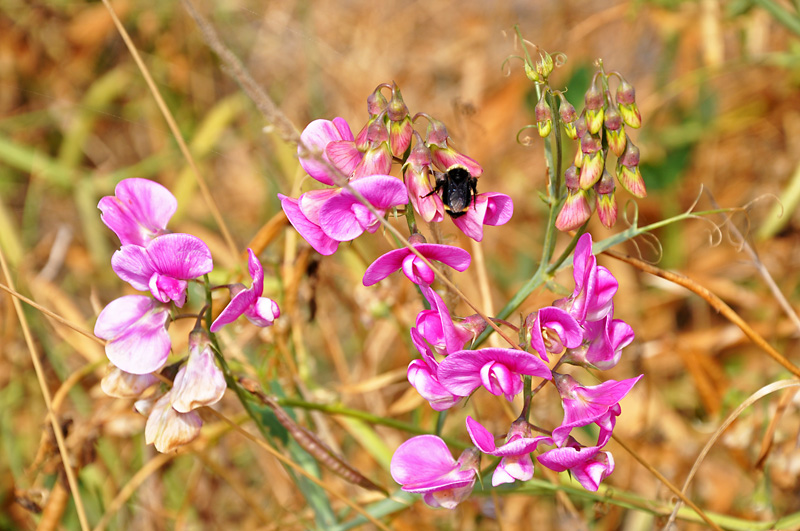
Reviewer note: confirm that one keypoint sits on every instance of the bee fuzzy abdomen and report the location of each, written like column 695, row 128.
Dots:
column 459, row 187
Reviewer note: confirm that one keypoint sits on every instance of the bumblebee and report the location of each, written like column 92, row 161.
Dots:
column 458, row 187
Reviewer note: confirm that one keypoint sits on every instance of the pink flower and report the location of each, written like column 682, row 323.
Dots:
column 415, row 269
column 595, row 286
column 164, row 265
column 437, row 327
column 497, row 369
column 259, row 310
column 135, row 328
column 326, row 217
column 317, row 137
column 516, row 462
column 597, row 404
column 424, row 464
column 139, row 211
column 602, row 343
column 200, row 382
column 344, row 218
column 553, row 330
column 307, row 227
column 490, row 208
column 423, row 375
column 588, row 465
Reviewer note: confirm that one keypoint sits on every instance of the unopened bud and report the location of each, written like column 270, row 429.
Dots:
column 615, row 131
column 376, row 102
column 531, row 73
column 572, row 178
column 626, row 95
column 580, row 125
column 544, row 66
column 630, row 157
column 416, row 239
column 593, row 100
column 575, row 212
column 436, row 133
column 544, row 117
column 568, row 118
column 607, row 209
column 628, row 173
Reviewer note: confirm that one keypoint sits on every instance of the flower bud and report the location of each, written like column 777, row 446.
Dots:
column 544, row 66
column 400, row 127
column 531, row 73
column 376, row 102
column 575, row 212
column 572, row 178
column 568, row 118
column 580, row 125
column 615, row 131
column 544, row 117
column 606, row 203
column 593, row 100
column 593, row 160
column 626, row 99
column 628, row 173
column 436, row 133
column 626, row 95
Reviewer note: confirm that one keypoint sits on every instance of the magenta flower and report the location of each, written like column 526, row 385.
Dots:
column 335, row 142
column 424, row 464
column 135, row 328
column 595, row 286
column 164, row 265
column 200, row 382
column 326, row 217
column 516, row 462
column 553, row 330
column 139, row 211
column 423, row 375
column 490, row 208
column 497, row 369
column 602, row 344
column 597, row 404
column 588, row 465
column 413, row 267
column 344, row 218
column 308, row 228
column 437, row 327
column 259, row 310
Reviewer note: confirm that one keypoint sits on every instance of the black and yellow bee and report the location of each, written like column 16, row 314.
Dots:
column 458, row 188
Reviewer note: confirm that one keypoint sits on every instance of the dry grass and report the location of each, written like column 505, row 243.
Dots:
column 719, row 95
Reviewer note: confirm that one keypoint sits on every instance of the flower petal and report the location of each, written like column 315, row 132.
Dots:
column 138, row 211
column 311, row 232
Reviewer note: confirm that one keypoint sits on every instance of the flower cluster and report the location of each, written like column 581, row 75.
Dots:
column 347, row 163
column 600, row 128
column 151, row 259
column 579, row 330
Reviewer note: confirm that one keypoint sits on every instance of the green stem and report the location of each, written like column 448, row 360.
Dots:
column 333, row 409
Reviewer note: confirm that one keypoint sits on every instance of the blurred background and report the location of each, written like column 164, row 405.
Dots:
column 717, row 85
